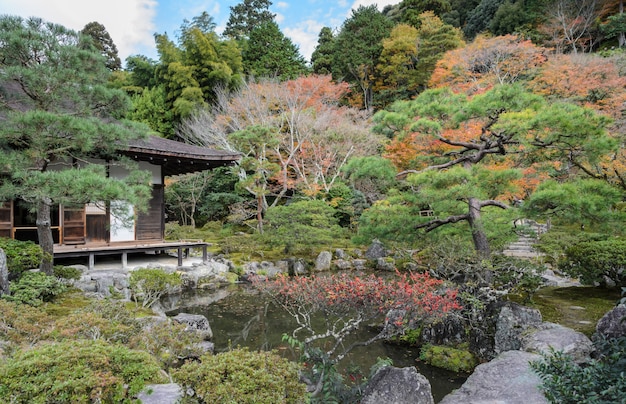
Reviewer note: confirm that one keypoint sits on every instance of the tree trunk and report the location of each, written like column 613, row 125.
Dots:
column 4, row 274
column 481, row 244
column 621, row 39
column 259, row 212
column 44, row 233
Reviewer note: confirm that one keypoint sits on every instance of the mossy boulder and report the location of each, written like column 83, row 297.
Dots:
column 450, row 358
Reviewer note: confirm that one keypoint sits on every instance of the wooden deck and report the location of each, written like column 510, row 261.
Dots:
column 91, row 250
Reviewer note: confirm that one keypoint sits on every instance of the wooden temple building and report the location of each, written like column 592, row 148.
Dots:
column 92, row 230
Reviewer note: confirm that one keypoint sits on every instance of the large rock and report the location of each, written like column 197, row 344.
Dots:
column 4, row 274
column 161, row 394
column 508, row 379
column 612, row 324
column 391, row 385
column 105, row 283
column 322, row 263
column 196, row 323
column 201, row 275
column 555, row 336
column 375, row 251
column 513, row 321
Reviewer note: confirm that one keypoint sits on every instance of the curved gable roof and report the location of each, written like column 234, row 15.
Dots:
column 177, row 157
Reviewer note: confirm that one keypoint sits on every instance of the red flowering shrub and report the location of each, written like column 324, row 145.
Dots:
column 345, row 303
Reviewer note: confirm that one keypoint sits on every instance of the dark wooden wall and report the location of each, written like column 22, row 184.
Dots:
column 150, row 225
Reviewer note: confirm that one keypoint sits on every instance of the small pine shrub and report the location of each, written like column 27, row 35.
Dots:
column 240, row 376
column 148, row 285
column 34, row 288
column 596, row 261
column 77, row 371
column 67, row 273
column 21, row 255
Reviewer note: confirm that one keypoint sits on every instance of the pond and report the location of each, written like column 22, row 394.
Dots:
column 241, row 317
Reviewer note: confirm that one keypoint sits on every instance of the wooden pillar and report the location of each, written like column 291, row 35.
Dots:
column 92, row 261
column 180, row 256
column 204, row 254
column 124, row 260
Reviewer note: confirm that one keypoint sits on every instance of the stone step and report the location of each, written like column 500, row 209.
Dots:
column 520, row 247
column 521, row 254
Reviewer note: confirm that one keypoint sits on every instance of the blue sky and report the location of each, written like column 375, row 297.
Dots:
column 132, row 23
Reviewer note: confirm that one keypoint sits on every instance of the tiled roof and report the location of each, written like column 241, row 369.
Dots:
column 178, row 157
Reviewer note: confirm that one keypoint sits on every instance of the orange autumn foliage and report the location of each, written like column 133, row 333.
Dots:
column 485, row 62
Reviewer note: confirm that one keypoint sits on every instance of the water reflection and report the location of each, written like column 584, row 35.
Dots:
column 240, row 316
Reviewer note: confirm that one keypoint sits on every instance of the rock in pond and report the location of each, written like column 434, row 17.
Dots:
column 196, row 323
column 508, row 379
column 392, row 385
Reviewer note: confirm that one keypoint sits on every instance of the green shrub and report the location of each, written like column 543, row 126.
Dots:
column 23, row 324
column 148, row 285
column 596, row 261
column 520, row 277
column 445, row 357
column 600, row 381
column 21, row 255
column 34, row 288
column 302, row 225
column 240, row 376
column 554, row 243
column 67, row 273
column 411, row 336
column 168, row 341
column 77, row 371
column 102, row 319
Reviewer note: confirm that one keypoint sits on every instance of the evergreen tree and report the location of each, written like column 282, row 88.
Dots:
column 246, row 16
column 411, row 9
column 57, row 111
column 322, row 57
column 480, row 18
column 357, row 50
column 104, row 43
column 270, row 53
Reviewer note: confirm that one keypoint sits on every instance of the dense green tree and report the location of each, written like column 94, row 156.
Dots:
column 357, row 50
column 192, row 71
column 322, row 56
column 150, row 108
column 460, row 10
column 104, row 43
column 373, row 176
column 302, row 225
column 246, row 16
column 478, row 20
column 57, row 111
column 469, row 148
column 586, row 202
column 409, row 57
column 509, row 18
column 411, row 10
column 269, row 53
column 615, row 24
column 143, row 71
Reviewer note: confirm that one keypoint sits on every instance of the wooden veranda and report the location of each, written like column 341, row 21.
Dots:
column 91, row 250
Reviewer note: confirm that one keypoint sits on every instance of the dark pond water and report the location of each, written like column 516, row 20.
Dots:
column 241, row 317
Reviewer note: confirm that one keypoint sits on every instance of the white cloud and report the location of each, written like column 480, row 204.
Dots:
column 282, row 5
column 129, row 22
column 305, row 35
